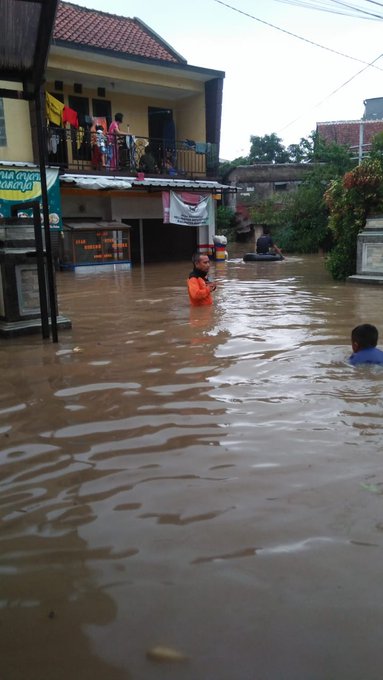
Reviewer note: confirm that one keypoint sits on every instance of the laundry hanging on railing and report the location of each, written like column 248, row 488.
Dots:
column 54, row 109
column 53, row 141
column 198, row 147
column 132, row 150
column 70, row 116
column 202, row 147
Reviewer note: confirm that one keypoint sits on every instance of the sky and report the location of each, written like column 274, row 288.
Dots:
column 274, row 82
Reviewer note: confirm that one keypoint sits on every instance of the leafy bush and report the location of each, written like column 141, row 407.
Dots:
column 305, row 219
column 225, row 222
column 350, row 200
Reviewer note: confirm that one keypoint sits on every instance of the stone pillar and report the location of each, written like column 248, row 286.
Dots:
column 369, row 259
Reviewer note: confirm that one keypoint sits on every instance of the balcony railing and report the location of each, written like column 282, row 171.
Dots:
column 86, row 151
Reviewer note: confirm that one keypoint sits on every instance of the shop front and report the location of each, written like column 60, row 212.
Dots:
column 95, row 244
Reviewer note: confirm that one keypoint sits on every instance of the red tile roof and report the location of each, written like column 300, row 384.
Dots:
column 88, row 27
column 347, row 132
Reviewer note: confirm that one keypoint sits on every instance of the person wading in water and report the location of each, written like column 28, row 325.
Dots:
column 200, row 289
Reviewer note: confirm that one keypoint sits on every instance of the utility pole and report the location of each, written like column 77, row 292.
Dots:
column 361, row 135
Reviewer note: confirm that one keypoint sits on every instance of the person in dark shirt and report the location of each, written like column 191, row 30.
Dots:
column 265, row 243
column 147, row 162
column 364, row 339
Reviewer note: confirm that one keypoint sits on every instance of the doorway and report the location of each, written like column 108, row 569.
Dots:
column 162, row 135
column 162, row 242
column 81, row 140
column 102, row 108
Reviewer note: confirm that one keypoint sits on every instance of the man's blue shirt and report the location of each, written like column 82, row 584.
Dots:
column 371, row 355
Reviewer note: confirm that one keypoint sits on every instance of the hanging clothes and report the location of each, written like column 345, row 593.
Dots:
column 201, row 147
column 54, row 109
column 131, row 146
column 53, row 142
column 70, row 116
column 169, row 140
column 80, row 137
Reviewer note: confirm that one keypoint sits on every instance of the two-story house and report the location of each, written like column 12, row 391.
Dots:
column 100, row 65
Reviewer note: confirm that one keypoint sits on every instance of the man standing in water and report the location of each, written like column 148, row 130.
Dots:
column 200, row 289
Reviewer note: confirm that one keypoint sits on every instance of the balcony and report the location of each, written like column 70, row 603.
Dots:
column 85, row 151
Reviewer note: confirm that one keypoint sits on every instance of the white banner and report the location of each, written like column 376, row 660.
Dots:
column 191, row 214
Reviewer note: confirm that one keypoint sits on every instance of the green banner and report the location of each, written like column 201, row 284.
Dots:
column 22, row 185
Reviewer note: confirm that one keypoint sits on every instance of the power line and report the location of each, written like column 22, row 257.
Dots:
column 318, row 5
column 294, row 35
column 357, row 9
column 331, row 93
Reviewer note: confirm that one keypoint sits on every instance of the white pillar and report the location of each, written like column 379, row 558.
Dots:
column 361, row 134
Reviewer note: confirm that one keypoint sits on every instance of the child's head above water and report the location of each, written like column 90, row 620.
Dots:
column 364, row 336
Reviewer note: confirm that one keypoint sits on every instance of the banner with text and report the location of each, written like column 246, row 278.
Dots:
column 189, row 210
column 19, row 185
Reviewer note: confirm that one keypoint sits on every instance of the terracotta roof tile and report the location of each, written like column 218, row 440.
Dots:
column 100, row 30
column 347, row 132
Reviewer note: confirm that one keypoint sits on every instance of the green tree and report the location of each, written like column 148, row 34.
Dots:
column 305, row 217
column 225, row 222
column 302, row 152
column 267, row 149
column 336, row 157
column 268, row 212
column 377, row 147
column 302, row 220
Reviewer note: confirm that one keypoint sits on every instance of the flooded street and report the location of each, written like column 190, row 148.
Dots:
column 208, row 480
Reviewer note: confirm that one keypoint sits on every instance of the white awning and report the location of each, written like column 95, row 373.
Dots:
column 122, row 183
column 96, row 182
column 165, row 183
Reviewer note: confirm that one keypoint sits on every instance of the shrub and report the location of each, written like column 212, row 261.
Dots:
column 350, row 200
column 225, row 222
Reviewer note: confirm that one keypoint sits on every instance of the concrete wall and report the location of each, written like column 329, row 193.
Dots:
column 188, row 105
column 18, row 128
column 99, row 67
column 257, row 183
column 188, row 114
column 190, row 118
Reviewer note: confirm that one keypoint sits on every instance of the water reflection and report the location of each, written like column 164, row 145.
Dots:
column 205, row 479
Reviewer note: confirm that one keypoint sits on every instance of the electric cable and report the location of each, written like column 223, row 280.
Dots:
column 357, row 9
column 318, row 5
column 294, row 35
column 337, row 89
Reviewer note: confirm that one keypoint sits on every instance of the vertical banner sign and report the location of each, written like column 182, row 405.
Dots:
column 19, row 185
column 198, row 213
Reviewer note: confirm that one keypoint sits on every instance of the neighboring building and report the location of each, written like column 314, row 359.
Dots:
column 258, row 183
column 355, row 134
column 373, row 109
column 100, row 64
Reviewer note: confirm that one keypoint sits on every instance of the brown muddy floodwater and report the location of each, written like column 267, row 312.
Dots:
column 209, row 480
